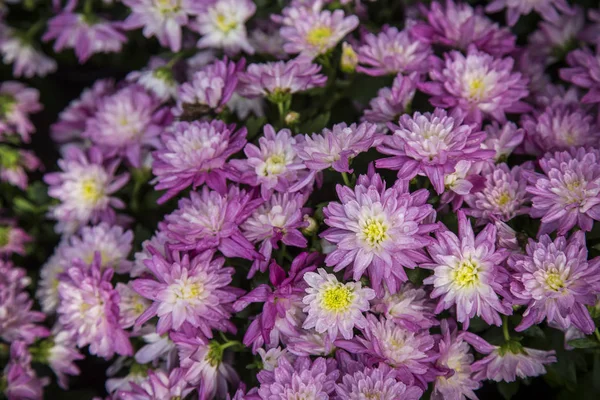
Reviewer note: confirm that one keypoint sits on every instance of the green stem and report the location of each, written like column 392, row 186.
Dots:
column 88, row 8
column 35, row 28
column 597, row 334
column 505, row 328
column 281, row 254
column 346, row 179
column 229, row 344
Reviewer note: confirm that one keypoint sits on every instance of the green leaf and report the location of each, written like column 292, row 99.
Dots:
column 534, row 331
column 24, row 206
column 315, row 124
column 253, row 125
column 508, row 389
column 584, row 343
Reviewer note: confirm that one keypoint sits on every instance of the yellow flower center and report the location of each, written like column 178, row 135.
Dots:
column 319, row 36
column 337, row 298
column 476, row 88
column 375, row 232
column 274, row 165
column 139, row 307
column 555, row 282
column 168, row 6
column 225, row 24
column 503, row 199
column 91, row 191
column 466, row 274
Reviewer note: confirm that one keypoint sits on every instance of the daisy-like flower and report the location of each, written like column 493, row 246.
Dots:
column 391, row 103
column 276, row 80
column 277, row 220
column 509, row 361
column 270, row 358
column 559, row 127
column 194, row 153
column 274, row 164
column 312, row 32
column 89, row 309
column 158, row 386
column 431, row 144
column 568, row 192
column 392, row 52
column 187, row 292
column 376, row 383
column 157, row 78
column 335, row 307
column 17, row 101
column 467, row 272
column 159, row 242
column 459, row 25
column 127, row 123
column 161, row 18
column 503, row 197
column 503, row 139
column 222, row 24
column 12, row 238
column 47, row 286
column 266, row 39
column 556, row 282
column 378, row 230
column 584, row 72
column 209, row 220
column 84, row 188
column 548, row 9
column 19, row 378
column 477, row 84
column 60, row 353
column 28, row 60
column 14, row 164
column 464, row 180
column 410, row 307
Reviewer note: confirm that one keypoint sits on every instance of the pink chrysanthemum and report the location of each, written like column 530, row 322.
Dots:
column 375, row 383
column 584, row 72
column 28, row 61
column 16, row 103
column 158, row 386
column 12, row 238
column 548, row 9
column 503, row 139
column 14, row 165
column 391, row 103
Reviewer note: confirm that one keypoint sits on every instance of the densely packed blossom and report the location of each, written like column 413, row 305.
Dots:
column 16, row 103
column 548, row 9
column 584, row 72
column 27, row 60
column 391, row 103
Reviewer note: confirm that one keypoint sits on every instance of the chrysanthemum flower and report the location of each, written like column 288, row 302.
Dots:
column 27, row 59
column 503, row 197
column 47, row 286
column 161, row 18
column 584, row 72
column 567, row 194
column 127, row 123
column 60, row 353
column 548, row 9
column 12, row 238
column 391, row 103
column 14, row 165
column 158, row 242
column 266, row 39
column 187, row 292
column 131, row 305
column 19, row 378
column 89, row 309
column 378, row 230
column 158, row 385
column 477, row 84
column 468, row 273
column 503, row 139
column 463, row 181
column 460, row 25
column 431, row 144
column 376, row 383
column 209, row 220
column 222, row 25
column 270, row 358
column 410, row 307
column 194, row 153
column 312, row 32
column 555, row 281
column 509, row 361
column 392, row 52
column 277, row 220
column 157, row 78
column 275, row 80
column 84, row 187
column 335, row 307
column 16, row 103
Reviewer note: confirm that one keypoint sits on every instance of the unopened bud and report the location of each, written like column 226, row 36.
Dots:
column 349, row 59
column 312, row 226
column 292, row 118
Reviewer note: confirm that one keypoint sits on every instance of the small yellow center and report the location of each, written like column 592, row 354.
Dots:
column 375, row 232
column 90, row 191
column 138, row 307
column 274, row 165
column 503, row 199
column 337, row 298
column 476, row 88
column 224, row 24
column 466, row 274
column 168, row 6
column 319, row 36
column 555, row 282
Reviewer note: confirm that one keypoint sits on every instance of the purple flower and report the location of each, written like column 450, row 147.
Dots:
column 28, row 60
column 89, row 309
column 460, row 25
column 312, row 32
column 392, row 52
column 277, row 220
column 503, row 197
column 210, row 89
column 158, row 386
column 131, row 305
column 12, row 238
column 157, row 78
column 47, row 286
column 275, row 80
column 194, row 153
column 377, row 383
column 61, row 355
column 477, row 84
column 159, row 242
column 378, row 230
column 568, row 192
column 468, row 273
column 515, row 8
column 463, row 181
column 16, row 103
column 556, row 282
column 209, row 220
column 187, row 292
column 509, row 361
column 391, row 103
column 503, row 139
column 161, row 18
column 86, row 36
column 431, row 144
column 84, row 188
column 266, row 39
column 127, row 123
column 20, row 379
column 584, row 72
column 14, row 164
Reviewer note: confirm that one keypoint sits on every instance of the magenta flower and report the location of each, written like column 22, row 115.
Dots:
column 28, row 61
column 89, row 309
column 379, row 383
column 392, row 52
column 391, row 103
column 12, row 238
column 157, row 78
column 504, row 139
column 16, row 103
column 377, row 230
column 567, row 193
column 127, row 123
column 431, row 144
column 187, row 292
column 131, row 305
column 477, row 84
column 312, row 32
column 14, row 165
column 19, row 377
column 584, row 72
column 195, row 153
column 459, row 25
column 61, row 357
column 84, row 188
column 410, row 307
column 548, row 9
column 86, row 36
column 157, row 386
column 468, row 273
column 556, row 282
column 208, row 220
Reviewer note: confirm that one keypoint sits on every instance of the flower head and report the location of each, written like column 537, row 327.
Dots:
column 61, row 355
column 376, row 383
column 391, row 103
column 16, row 103
column 410, row 307
column 157, row 78
column 158, row 386
column 19, row 377
column 27, row 59
column 503, row 139
column 12, row 238
column 584, row 72
column 14, row 164
column 548, row 9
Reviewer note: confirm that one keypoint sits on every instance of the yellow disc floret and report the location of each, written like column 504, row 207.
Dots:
column 337, row 298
